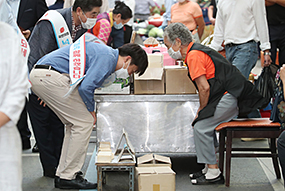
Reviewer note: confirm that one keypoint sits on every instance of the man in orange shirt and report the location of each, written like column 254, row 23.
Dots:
column 223, row 94
column 190, row 14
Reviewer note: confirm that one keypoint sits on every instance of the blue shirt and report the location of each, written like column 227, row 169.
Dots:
column 101, row 62
column 167, row 14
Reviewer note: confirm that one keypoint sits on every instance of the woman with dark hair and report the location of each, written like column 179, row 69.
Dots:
column 109, row 26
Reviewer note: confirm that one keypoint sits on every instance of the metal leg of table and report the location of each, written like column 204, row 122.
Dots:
column 132, row 178
column 99, row 178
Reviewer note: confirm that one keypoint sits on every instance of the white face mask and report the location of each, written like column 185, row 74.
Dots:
column 180, row 1
column 118, row 26
column 123, row 72
column 175, row 55
column 109, row 81
column 90, row 22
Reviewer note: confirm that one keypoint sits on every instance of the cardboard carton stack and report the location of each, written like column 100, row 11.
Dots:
column 154, row 173
column 159, row 79
column 104, row 154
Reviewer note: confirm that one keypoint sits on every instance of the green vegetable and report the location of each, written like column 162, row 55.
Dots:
column 156, row 10
column 160, row 33
column 152, row 32
column 149, row 27
column 142, row 31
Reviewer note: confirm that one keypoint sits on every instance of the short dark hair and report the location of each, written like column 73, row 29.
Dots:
column 139, row 57
column 86, row 5
column 123, row 9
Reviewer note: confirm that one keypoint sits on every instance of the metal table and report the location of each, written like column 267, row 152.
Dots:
column 154, row 123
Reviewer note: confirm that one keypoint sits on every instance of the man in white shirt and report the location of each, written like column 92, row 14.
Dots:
column 14, row 87
column 241, row 24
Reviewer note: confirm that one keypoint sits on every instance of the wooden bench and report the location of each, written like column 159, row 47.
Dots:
column 247, row 128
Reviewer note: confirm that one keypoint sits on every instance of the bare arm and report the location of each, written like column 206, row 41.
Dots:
column 211, row 13
column 201, row 25
column 94, row 116
column 204, row 91
column 3, row 119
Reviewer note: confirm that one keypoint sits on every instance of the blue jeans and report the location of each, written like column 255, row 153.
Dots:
column 243, row 56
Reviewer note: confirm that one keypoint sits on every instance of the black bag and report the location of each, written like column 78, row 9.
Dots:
column 265, row 84
column 278, row 108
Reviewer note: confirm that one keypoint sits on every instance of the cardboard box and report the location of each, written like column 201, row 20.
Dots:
column 151, row 82
column 177, row 81
column 153, row 160
column 104, row 156
column 154, row 179
column 155, row 60
column 104, row 146
column 118, row 87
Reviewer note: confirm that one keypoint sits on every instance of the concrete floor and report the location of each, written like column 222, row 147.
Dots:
column 247, row 174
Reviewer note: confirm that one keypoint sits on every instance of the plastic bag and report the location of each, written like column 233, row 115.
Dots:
column 278, row 108
column 265, row 84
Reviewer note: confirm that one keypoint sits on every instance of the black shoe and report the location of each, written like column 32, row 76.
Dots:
column 78, row 183
column 26, row 144
column 196, row 175
column 203, row 181
column 56, row 181
column 35, row 148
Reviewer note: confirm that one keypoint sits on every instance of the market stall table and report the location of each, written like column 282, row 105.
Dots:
column 154, row 123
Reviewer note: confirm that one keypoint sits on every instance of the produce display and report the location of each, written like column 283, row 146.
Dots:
column 150, row 42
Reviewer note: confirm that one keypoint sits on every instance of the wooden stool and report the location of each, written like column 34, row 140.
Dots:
column 247, row 128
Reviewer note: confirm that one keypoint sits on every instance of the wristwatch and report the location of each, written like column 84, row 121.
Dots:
column 267, row 53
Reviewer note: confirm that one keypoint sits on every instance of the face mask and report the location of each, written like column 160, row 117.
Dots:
column 123, row 72
column 109, row 81
column 175, row 55
column 118, row 26
column 89, row 22
column 180, row 1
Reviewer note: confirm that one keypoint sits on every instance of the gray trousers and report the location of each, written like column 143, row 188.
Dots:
column 204, row 130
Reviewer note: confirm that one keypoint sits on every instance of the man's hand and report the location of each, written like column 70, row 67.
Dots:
column 269, row 2
column 94, row 116
column 267, row 60
column 42, row 102
column 272, row 2
column 26, row 33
